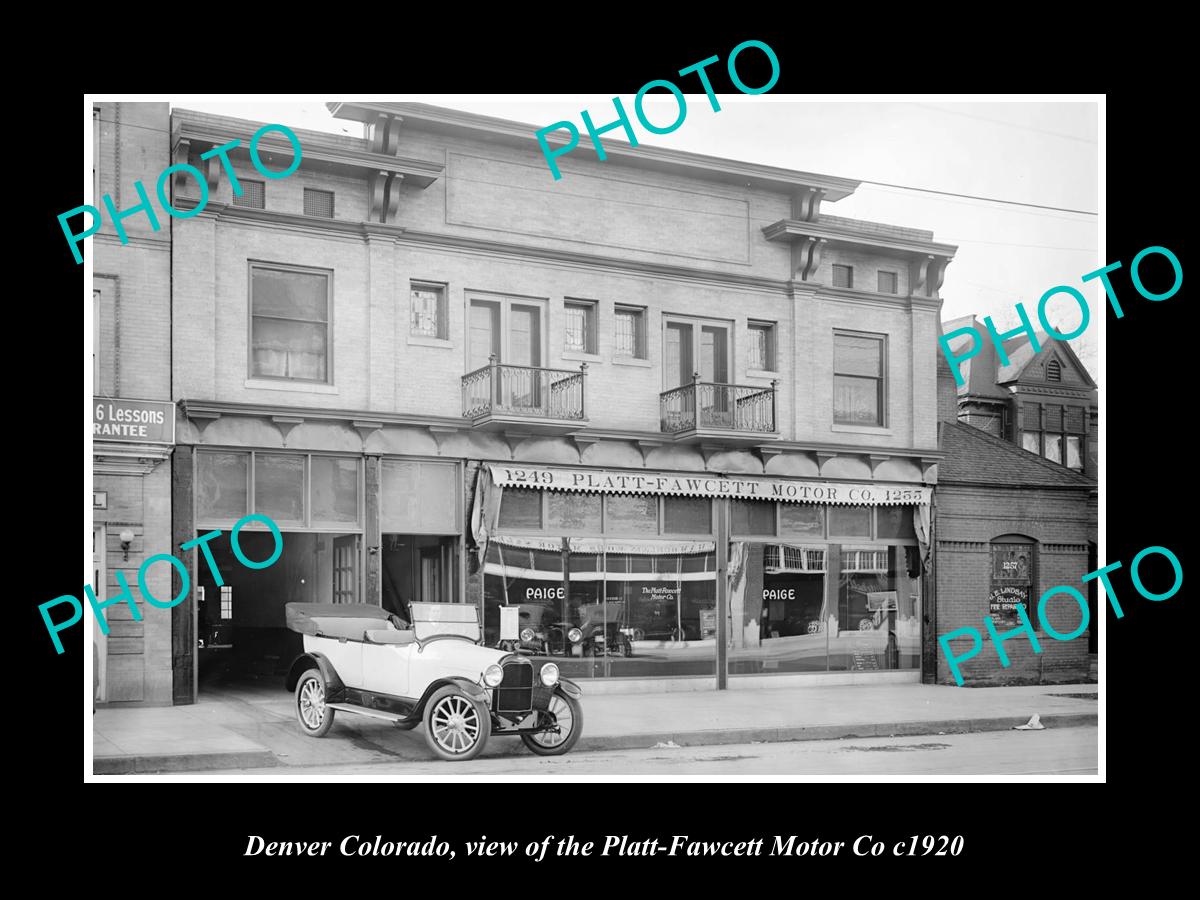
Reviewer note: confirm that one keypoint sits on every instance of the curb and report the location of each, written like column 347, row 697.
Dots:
column 826, row 732
column 183, row 762
column 195, row 762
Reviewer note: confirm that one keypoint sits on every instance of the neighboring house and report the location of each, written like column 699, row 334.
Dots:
column 1008, row 526
column 1046, row 401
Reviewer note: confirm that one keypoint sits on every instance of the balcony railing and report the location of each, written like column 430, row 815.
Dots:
column 499, row 390
column 706, row 406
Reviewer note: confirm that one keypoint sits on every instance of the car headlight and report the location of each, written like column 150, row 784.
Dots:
column 527, row 635
column 575, row 635
column 549, row 674
column 493, row 675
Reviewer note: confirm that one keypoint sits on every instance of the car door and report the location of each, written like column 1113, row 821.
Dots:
column 385, row 668
column 346, row 656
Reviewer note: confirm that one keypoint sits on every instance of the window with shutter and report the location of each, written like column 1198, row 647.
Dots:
column 1054, row 370
column 254, row 194
column 318, row 203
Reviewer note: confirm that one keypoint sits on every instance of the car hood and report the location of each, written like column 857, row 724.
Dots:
column 464, row 657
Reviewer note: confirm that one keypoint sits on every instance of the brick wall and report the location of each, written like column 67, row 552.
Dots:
column 968, row 520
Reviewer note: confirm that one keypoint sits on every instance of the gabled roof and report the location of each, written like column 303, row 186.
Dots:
column 1021, row 356
column 976, row 457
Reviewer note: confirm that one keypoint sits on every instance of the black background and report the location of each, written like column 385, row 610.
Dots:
column 1016, row 834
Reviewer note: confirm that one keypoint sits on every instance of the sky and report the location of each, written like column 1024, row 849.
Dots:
column 1043, row 152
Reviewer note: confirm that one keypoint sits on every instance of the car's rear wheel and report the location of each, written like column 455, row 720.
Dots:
column 314, row 716
column 456, row 725
column 567, row 715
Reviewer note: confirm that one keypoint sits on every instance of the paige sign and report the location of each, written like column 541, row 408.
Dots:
column 141, row 421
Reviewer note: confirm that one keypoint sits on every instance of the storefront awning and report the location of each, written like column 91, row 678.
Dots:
column 649, row 547
column 787, row 490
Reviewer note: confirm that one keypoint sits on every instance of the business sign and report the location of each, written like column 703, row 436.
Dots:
column 788, row 491
column 99, row 499
column 140, row 421
column 1002, row 602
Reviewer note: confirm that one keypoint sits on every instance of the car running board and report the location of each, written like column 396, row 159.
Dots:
column 372, row 713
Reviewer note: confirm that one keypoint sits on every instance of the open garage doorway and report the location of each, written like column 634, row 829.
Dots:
column 419, row 567
column 241, row 633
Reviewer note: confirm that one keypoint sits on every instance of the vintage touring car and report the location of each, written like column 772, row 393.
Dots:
column 361, row 659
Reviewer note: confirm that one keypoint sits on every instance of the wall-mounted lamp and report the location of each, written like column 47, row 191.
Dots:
column 126, row 540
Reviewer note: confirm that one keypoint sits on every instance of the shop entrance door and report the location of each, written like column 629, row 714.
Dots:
column 345, row 568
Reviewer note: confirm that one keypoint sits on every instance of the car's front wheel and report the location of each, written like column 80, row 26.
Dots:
column 456, row 725
column 315, row 717
column 566, row 714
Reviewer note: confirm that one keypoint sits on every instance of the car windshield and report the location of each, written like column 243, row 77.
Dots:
column 456, row 619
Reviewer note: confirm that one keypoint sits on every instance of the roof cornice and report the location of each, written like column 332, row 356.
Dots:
column 697, row 165
column 790, row 229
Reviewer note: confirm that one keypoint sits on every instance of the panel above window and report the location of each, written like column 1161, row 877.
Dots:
column 889, row 282
column 428, row 311
column 579, row 331
column 254, row 194
column 318, row 203
column 843, row 276
column 762, row 346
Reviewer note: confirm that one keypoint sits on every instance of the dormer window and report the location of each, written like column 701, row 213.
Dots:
column 1054, row 370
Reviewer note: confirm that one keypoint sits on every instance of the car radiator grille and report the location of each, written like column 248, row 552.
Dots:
column 515, row 692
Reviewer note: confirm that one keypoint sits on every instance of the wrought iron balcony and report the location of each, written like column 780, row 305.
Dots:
column 543, row 399
column 706, row 409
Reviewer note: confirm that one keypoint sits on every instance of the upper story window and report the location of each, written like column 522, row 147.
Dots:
column 1055, row 432
column 888, row 282
column 695, row 347
column 428, row 305
column 318, row 203
column 290, row 313
column 254, row 194
column 762, row 346
column 580, row 330
column 629, row 332
column 843, row 276
column 859, row 362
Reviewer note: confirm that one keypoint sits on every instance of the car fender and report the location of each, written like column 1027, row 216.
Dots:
column 306, row 661
column 569, row 688
column 468, row 687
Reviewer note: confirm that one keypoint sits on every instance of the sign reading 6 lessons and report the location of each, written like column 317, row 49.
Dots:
column 144, row 421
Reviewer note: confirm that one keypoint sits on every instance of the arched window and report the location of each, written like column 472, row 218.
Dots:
column 1014, row 574
column 1054, row 370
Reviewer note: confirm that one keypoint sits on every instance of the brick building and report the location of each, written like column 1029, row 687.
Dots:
column 668, row 403
column 133, row 417
column 1009, row 525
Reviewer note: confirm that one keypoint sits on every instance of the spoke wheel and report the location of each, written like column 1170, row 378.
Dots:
column 564, row 720
column 456, row 726
column 314, row 716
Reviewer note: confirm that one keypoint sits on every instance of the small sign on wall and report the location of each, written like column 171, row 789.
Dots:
column 509, row 623
column 99, row 499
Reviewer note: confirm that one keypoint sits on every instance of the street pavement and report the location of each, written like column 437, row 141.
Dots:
column 1055, row 751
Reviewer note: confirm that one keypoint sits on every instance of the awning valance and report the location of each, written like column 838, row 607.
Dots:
column 745, row 487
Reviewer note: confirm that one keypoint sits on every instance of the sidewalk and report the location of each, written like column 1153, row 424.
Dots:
column 257, row 727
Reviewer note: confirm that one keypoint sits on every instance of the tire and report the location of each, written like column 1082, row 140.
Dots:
column 866, row 625
column 314, row 716
column 456, row 725
column 549, row 744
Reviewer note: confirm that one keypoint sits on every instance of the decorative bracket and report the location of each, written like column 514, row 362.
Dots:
column 806, row 257
column 766, row 454
column 202, row 420
column 708, row 451
column 921, row 281
column 384, row 134
column 365, row 429
column 391, row 202
column 514, row 439
column 823, row 456
column 875, row 459
column 926, row 465
column 582, row 442
column 439, row 433
column 646, row 447
column 376, row 192
column 183, row 150
column 806, row 204
column 285, row 424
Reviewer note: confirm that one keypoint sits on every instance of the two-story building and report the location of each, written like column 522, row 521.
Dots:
column 664, row 417
column 133, row 418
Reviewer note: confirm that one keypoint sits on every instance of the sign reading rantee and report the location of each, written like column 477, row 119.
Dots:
column 142, row 421
column 747, row 488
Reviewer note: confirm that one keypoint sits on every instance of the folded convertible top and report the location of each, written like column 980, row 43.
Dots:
column 340, row 620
